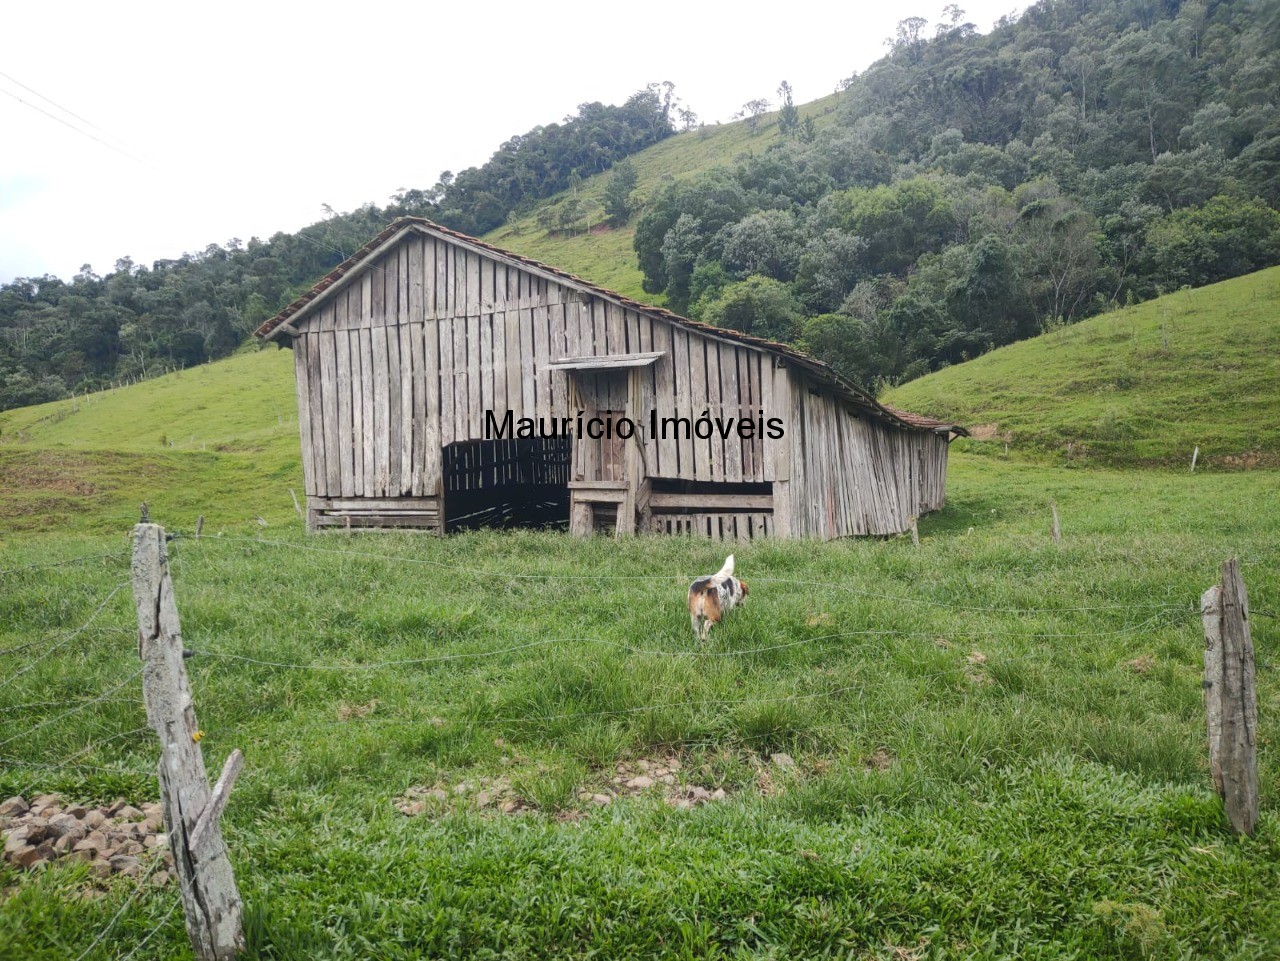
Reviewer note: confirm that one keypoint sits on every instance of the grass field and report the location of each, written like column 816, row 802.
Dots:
column 1140, row 386
column 998, row 742
column 994, row 744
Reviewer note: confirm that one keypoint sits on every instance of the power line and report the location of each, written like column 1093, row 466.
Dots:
column 48, row 101
column 83, row 133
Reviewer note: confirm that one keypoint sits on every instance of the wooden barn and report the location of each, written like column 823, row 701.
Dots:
column 446, row 383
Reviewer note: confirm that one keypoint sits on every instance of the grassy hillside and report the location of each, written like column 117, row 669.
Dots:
column 604, row 256
column 219, row 440
column 1144, row 385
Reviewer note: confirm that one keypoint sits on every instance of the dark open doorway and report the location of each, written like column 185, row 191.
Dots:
column 506, row 483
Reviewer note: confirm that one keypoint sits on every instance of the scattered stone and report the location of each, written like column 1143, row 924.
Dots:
column 413, row 808
column 784, row 761
column 126, row 864
column 484, row 799
column 48, row 830
column 601, row 800
column 23, row 855
column 640, row 782
column 160, row 879
column 15, row 805
column 718, row 794
column 64, row 823
column 16, row 840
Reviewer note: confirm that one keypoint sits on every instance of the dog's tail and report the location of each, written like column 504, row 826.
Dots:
column 726, row 571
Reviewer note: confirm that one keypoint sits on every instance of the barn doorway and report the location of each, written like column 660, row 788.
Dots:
column 507, row 484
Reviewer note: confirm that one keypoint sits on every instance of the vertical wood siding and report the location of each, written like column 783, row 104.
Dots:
column 408, row 357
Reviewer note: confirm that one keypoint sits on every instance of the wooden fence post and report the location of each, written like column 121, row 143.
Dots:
column 210, row 899
column 1055, row 531
column 1211, row 615
column 1231, row 700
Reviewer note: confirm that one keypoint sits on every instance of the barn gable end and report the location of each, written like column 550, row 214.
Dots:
column 410, row 353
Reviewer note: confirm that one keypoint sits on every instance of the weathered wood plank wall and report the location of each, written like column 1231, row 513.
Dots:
column 407, row 358
column 853, row 474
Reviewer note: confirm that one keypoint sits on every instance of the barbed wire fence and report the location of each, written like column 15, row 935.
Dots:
column 46, row 652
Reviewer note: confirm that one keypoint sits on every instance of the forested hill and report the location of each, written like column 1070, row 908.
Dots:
column 974, row 190
column 965, row 191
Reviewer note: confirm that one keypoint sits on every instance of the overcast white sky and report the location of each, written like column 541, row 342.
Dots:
column 241, row 119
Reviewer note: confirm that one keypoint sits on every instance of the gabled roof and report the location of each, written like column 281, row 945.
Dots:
column 345, row 272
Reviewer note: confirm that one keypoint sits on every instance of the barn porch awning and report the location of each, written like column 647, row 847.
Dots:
column 605, row 361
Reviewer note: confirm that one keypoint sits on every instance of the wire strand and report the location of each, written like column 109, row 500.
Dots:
column 123, row 908
column 73, row 711
column 504, row 575
column 72, row 560
column 31, row 665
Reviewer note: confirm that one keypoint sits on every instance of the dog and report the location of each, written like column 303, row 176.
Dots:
column 711, row 597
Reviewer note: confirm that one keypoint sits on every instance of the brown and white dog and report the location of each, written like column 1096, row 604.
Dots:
column 710, row 597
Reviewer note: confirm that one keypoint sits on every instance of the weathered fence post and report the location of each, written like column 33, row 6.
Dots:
column 1211, row 615
column 1231, row 700
column 915, row 532
column 1055, row 530
column 210, row 899
column 1195, row 456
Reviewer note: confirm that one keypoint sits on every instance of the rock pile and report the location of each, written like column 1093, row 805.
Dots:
column 486, row 793
column 115, row 838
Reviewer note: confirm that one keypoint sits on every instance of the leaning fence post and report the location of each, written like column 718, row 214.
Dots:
column 1231, row 700
column 210, row 899
column 1055, row 529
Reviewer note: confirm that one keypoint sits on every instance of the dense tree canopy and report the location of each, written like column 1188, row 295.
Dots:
column 976, row 189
